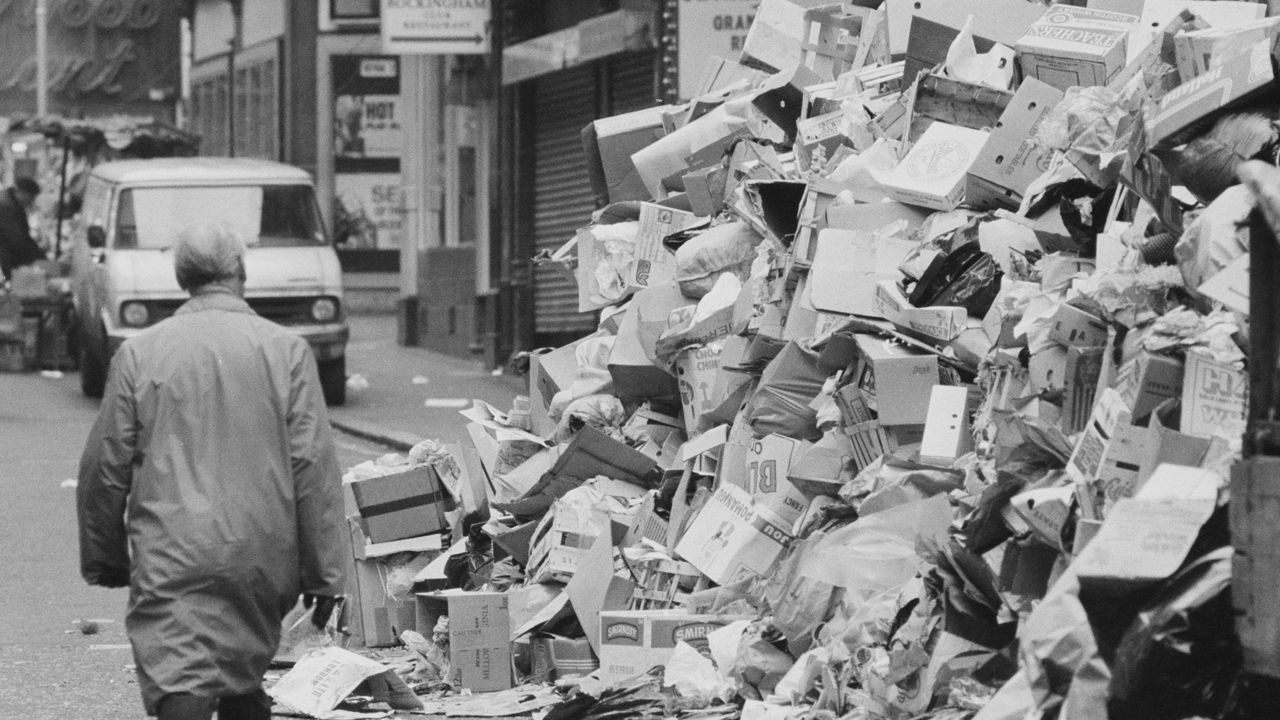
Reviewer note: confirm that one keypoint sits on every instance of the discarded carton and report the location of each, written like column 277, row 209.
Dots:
column 1239, row 78
column 632, row 641
column 556, row 657
column 653, row 263
column 767, row 479
column 1072, row 46
column 609, row 143
column 402, row 505
column 734, row 537
column 896, row 382
column 1148, row 380
column 946, row 429
column 1214, row 398
column 697, row 372
column 937, row 323
column 479, row 636
column 933, row 173
column 323, row 678
column 1074, row 327
column 1011, row 158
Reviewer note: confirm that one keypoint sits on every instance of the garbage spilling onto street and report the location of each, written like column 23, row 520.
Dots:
column 915, row 394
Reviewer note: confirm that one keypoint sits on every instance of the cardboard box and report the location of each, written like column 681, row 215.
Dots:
column 734, row 538
column 551, row 372
column 1199, row 51
column 377, row 618
column 632, row 641
column 1072, row 46
column 479, row 636
column 697, row 372
column 1239, row 78
column 1080, row 386
column 1214, row 398
column 896, row 382
column 932, row 174
column 402, row 505
column 1074, row 327
column 1148, row 380
column 705, row 188
column 847, row 266
column 769, row 462
column 560, row 542
column 611, row 141
column 930, row 26
column 946, row 430
column 1012, row 159
column 937, row 323
column 1097, row 447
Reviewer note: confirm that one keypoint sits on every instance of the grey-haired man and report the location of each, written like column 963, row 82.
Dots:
column 210, row 487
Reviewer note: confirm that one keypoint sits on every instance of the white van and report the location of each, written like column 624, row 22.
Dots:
column 122, row 272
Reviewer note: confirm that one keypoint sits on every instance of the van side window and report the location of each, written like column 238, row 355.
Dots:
column 126, row 225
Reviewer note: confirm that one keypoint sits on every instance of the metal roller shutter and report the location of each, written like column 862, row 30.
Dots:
column 564, row 103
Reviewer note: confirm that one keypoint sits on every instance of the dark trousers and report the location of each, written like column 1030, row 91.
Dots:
column 181, row 706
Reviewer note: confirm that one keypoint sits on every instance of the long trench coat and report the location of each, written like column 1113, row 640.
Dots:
column 210, row 482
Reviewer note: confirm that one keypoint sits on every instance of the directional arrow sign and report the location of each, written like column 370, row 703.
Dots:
column 436, row 27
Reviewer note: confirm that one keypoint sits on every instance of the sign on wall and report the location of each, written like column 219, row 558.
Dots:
column 436, row 27
column 368, row 207
column 710, row 28
column 106, row 57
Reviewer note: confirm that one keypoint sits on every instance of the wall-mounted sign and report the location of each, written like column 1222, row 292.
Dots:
column 710, row 28
column 436, row 27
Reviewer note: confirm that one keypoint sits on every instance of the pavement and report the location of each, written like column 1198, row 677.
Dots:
column 412, row 393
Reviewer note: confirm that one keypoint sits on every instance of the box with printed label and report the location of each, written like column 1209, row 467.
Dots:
column 1148, row 380
column 734, row 538
column 1238, row 78
column 1213, row 398
column 768, row 464
column 697, row 372
column 896, row 382
column 479, row 636
column 632, row 641
column 1071, row 46
column 1074, row 327
column 932, row 174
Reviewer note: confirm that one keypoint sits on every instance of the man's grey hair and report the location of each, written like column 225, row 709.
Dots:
column 208, row 253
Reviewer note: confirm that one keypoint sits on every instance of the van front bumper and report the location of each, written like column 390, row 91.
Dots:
column 328, row 342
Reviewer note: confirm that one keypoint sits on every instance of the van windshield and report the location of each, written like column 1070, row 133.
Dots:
column 265, row 215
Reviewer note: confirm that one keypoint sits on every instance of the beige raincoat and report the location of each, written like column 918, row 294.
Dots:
column 210, row 485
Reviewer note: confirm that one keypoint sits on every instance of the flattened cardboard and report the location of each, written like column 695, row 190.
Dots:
column 767, row 479
column 934, row 24
column 1011, row 159
column 697, row 372
column 598, row 586
column 322, row 679
column 654, row 263
column 938, row 323
column 1074, row 327
column 479, row 636
column 847, row 266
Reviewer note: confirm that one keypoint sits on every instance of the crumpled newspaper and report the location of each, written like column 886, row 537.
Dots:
column 1092, row 126
column 1188, row 330
column 1132, row 298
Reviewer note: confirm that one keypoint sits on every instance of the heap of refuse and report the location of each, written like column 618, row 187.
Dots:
column 915, row 392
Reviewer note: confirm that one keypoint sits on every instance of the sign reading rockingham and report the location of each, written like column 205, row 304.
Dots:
column 436, row 27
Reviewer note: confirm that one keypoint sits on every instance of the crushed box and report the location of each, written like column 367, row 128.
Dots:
column 402, row 505
column 479, row 636
column 632, row 641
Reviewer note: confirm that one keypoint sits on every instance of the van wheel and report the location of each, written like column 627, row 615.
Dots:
column 333, row 380
column 93, row 368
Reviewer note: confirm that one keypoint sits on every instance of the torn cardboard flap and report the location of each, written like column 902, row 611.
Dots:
column 734, row 538
column 322, row 679
column 849, row 264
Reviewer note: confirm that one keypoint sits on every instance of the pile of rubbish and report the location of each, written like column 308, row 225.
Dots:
column 915, row 392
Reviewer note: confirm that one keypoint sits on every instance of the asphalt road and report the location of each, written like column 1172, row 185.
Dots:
column 49, row 669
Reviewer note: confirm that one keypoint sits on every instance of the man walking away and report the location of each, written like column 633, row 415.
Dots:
column 210, row 487
column 16, row 246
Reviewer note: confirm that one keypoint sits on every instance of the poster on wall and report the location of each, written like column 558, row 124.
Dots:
column 710, row 28
column 369, row 210
column 367, row 145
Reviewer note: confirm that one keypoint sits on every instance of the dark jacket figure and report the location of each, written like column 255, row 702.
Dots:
column 16, row 246
column 210, row 486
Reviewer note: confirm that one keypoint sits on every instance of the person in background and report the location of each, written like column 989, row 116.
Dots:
column 16, row 246
column 210, row 487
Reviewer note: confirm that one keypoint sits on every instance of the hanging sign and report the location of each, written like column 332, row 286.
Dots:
column 436, row 27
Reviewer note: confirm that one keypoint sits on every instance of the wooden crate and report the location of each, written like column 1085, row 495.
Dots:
column 662, row 583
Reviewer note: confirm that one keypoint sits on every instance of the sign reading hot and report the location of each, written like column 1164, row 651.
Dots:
column 104, row 57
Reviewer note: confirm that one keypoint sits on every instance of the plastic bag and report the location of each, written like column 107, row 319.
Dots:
column 1181, row 657
column 787, row 387
column 602, row 412
column 592, row 376
column 730, row 247
column 967, row 278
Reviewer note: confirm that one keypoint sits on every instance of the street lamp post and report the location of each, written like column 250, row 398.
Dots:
column 42, row 58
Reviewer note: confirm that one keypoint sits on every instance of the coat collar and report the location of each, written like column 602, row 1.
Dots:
column 214, row 298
